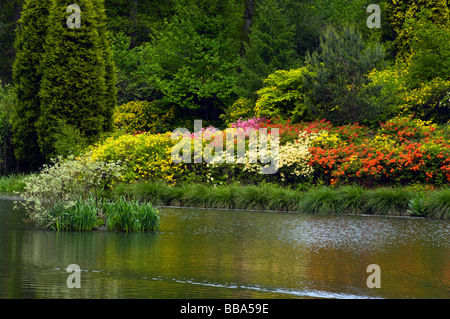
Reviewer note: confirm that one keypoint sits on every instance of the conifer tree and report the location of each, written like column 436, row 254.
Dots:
column 336, row 87
column 73, row 87
column 271, row 47
column 29, row 46
column 110, row 67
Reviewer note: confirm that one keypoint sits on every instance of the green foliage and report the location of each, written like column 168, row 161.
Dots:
column 27, row 74
column 430, row 57
column 143, row 117
column 7, row 104
column 283, row 96
column 130, row 216
column 402, row 10
column 110, row 96
column 336, row 87
column 73, row 86
column 69, row 140
column 270, row 47
column 243, row 108
column 192, row 62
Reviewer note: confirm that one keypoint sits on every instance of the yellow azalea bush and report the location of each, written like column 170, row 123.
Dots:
column 146, row 156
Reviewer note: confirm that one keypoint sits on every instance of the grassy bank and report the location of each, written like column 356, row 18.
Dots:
column 405, row 201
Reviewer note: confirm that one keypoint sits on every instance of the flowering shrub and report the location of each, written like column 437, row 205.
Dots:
column 145, row 155
column 404, row 151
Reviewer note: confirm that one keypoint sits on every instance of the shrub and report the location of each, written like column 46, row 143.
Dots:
column 65, row 181
column 145, row 156
column 283, row 95
column 144, row 117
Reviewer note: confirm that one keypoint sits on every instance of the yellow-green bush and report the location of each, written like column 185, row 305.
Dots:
column 143, row 116
column 146, row 156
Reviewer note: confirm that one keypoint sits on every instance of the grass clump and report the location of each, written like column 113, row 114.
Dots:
column 389, row 201
column 12, row 183
column 130, row 216
column 437, row 204
column 323, row 200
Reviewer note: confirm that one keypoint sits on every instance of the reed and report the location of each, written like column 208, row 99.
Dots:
column 78, row 216
column 323, row 200
column 130, row 216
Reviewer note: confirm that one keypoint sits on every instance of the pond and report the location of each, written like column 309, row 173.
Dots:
column 230, row 254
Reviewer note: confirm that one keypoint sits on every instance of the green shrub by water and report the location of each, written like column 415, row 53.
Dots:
column 437, row 204
column 91, row 214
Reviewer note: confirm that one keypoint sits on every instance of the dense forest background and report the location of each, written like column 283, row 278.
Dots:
column 221, row 60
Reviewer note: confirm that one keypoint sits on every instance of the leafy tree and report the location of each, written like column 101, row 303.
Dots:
column 192, row 62
column 402, row 10
column 27, row 77
column 73, row 87
column 430, row 52
column 337, row 87
column 283, row 95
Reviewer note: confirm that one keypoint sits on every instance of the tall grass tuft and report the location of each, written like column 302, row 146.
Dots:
column 353, row 199
column 12, row 183
column 322, row 200
column 78, row 216
column 130, row 216
column 438, row 204
column 389, row 201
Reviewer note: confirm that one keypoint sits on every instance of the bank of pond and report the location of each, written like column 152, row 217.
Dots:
column 133, row 207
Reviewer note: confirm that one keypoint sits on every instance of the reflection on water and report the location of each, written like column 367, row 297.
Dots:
column 230, row 254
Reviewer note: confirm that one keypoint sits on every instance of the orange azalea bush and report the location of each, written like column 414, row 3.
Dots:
column 403, row 151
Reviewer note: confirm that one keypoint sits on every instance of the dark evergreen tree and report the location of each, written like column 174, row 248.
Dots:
column 73, row 87
column 337, row 87
column 271, row 47
column 29, row 46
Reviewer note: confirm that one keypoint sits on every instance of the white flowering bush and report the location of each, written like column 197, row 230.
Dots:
column 294, row 156
column 65, row 182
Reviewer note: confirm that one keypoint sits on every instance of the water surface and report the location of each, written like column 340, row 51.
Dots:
column 230, row 254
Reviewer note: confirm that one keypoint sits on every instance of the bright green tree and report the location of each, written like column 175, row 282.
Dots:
column 192, row 62
column 337, row 87
column 73, row 86
column 29, row 46
column 283, row 95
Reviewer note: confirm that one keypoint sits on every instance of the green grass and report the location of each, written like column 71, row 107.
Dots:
column 437, row 205
column 389, row 201
column 12, row 183
column 130, row 216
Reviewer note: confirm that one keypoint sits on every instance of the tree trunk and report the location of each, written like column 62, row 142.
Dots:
column 248, row 21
